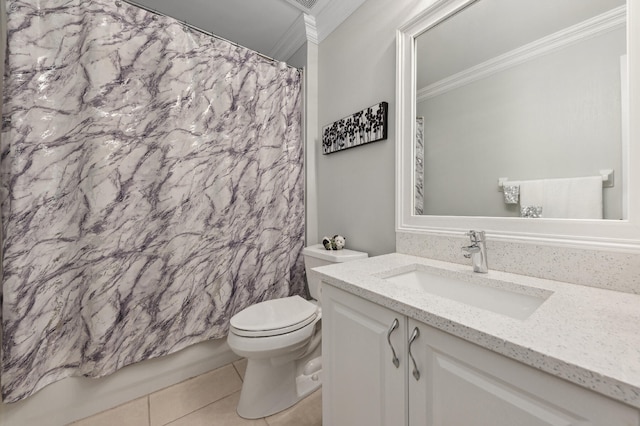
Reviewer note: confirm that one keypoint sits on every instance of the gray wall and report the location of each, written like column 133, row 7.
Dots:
column 357, row 69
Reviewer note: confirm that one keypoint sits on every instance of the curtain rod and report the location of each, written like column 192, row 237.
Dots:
column 200, row 30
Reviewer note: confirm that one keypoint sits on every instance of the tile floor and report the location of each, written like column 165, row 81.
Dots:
column 207, row 400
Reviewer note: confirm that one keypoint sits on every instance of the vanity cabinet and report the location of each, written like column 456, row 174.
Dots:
column 441, row 380
column 365, row 387
column 461, row 383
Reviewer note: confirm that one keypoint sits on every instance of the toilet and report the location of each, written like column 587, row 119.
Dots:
column 281, row 340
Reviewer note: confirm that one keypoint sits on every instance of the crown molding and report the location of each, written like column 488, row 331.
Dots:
column 311, row 28
column 302, row 30
column 328, row 15
column 290, row 41
column 608, row 21
column 333, row 14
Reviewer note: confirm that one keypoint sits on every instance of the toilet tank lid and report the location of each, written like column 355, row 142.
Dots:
column 337, row 256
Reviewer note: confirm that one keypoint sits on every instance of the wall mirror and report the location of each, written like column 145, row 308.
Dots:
column 513, row 116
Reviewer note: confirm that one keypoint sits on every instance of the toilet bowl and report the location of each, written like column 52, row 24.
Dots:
column 281, row 340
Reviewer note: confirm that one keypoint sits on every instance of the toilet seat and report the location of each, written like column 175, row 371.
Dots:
column 274, row 317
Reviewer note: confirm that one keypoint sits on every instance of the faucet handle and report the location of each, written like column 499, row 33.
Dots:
column 473, row 248
column 475, row 236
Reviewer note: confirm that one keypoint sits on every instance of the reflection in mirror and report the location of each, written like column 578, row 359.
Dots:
column 530, row 92
column 419, row 176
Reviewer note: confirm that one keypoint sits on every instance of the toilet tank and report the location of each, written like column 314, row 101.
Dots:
column 316, row 255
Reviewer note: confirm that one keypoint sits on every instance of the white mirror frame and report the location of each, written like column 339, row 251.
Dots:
column 605, row 234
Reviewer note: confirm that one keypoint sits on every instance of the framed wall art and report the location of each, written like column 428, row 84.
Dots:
column 368, row 125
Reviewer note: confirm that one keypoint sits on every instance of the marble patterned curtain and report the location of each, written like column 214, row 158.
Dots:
column 151, row 187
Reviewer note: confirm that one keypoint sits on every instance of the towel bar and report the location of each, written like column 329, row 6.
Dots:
column 607, row 179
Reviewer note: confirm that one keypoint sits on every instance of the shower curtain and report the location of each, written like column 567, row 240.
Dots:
column 151, row 187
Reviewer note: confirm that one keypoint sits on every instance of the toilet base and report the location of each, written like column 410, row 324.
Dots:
column 308, row 383
column 268, row 389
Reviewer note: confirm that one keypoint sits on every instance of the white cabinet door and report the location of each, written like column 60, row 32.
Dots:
column 463, row 384
column 361, row 384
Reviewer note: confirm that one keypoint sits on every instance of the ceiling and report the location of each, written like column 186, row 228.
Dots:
column 276, row 28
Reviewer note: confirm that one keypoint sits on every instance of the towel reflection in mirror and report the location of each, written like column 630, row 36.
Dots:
column 577, row 198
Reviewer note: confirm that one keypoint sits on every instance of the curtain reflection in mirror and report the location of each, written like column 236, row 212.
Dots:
column 419, row 192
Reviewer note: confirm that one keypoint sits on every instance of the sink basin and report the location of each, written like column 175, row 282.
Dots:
column 501, row 301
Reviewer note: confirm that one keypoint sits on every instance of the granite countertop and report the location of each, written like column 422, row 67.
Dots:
column 588, row 336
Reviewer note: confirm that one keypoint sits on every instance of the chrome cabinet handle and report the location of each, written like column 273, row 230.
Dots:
column 394, row 325
column 413, row 337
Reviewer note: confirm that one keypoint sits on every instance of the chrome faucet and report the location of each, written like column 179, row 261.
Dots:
column 477, row 251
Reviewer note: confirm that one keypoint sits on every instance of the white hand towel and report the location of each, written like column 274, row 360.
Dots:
column 531, row 194
column 574, row 198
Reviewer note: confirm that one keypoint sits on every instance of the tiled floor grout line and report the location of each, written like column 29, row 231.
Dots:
column 201, row 408
column 235, row 367
column 237, row 371
column 238, row 367
column 197, row 409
